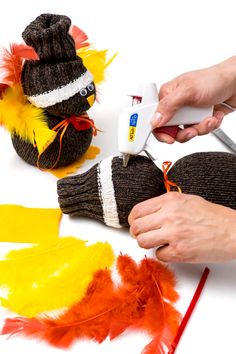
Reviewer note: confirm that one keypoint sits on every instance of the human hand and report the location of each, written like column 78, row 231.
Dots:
column 185, row 228
column 200, row 88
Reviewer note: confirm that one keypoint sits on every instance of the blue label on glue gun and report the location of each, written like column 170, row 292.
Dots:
column 132, row 126
column 133, row 120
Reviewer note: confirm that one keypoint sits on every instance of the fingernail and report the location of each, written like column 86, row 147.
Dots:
column 157, row 119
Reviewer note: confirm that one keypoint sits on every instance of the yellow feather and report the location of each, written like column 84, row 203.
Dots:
column 95, row 61
column 20, row 117
column 41, row 278
column 17, row 223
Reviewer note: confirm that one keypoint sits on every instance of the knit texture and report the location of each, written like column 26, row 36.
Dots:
column 48, row 35
column 74, row 144
column 211, row 175
column 78, row 195
column 59, row 83
column 57, row 67
column 82, row 194
column 139, row 181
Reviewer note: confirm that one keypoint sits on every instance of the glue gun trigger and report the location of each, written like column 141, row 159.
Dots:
column 171, row 130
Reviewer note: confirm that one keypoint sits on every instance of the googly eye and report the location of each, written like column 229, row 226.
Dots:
column 90, row 87
column 83, row 92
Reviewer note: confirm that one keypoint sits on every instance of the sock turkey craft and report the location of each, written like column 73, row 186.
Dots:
column 47, row 86
column 108, row 191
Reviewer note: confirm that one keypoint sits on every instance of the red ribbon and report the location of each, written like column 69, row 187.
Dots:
column 80, row 123
column 168, row 184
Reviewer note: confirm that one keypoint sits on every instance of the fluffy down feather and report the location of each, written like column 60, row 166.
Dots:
column 109, row 309
column 18, row 116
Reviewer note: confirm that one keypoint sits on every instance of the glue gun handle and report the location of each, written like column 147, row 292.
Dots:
column 171, row 130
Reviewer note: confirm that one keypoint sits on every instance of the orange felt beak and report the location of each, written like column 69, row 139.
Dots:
column 91, row 100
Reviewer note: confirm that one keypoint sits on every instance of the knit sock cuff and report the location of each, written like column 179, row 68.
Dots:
column 108, row 191
column 48, row 35
column 78, row 195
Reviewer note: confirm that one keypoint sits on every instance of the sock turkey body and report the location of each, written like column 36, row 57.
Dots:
column 108, row 191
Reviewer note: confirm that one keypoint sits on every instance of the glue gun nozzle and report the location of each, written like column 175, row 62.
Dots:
column 125, row 160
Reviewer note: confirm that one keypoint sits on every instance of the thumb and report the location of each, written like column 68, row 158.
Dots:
column 167, row 107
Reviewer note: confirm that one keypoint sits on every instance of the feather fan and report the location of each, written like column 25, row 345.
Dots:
column 79, row 37
column 10, row 66
column 12, row 61
column 20, row 117
column 141, row 301
column 44, row 278
column 96, row 62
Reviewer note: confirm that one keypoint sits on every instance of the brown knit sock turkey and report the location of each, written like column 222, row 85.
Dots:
column 60, row 84
column 108, row 191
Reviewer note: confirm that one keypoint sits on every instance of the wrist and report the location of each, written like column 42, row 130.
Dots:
column 227, row 71
column 231, row 231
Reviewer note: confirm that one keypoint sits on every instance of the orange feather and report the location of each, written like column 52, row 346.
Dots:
column 79, row 37
column 25, row 51
column 138, row 302
column 11, row 62
column 11, row 66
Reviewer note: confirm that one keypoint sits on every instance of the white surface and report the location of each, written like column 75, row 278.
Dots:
column 156, row 41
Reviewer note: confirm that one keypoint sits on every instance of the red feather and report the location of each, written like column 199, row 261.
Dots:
column 25, row 52
column 11, row 62
column 79, row 37
column 11, row 66
column 108, row 310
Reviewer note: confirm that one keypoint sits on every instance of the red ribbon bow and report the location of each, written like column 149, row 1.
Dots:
column 80, row 123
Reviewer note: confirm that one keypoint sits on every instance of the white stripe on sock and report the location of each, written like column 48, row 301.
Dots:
column 107, row 193
column 63, row 93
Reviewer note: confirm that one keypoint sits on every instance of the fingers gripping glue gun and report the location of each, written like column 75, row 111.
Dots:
column 134, row 124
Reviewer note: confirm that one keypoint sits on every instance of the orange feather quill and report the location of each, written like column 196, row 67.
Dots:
column 143, row 300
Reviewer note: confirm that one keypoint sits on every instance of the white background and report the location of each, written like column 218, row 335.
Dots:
column 155, row 40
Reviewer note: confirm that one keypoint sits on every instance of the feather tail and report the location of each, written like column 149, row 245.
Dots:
column 10, row 66
column 96, row 62
column 20, row 117
column 24, row 51
column 79, row 37
column 11, row 62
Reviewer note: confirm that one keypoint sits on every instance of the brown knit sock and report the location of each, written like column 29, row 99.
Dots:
column 74, row 145
column 211, row 175
column 108, row 191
